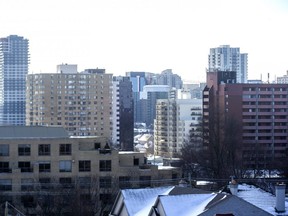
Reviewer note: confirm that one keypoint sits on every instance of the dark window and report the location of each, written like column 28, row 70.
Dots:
column 84, row 166
column 26, row 184
column 4, row 167
column 86, row 199
column 136, row 161
column 25, row 166
column 105, row 198
column 44, row 166
column 97, row 145
column 105, row 165
column 28, row 201
column 24, row 149
column 174, row 175
column 65, row 166
column 84, row 182
column 5, row 184
column 145, row 181
column 44, row 149
column 105, row 182
column 124, row 182
column 66, row 182
column 65, row 149
column 45, row 183
column 4, row 150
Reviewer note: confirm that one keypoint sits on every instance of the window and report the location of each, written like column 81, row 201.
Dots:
column 84, row 182
column 65, row 166
column 105, row 165
column 43, row 149
column 124, row 182
column 5, row 184
column 136, row 161
column 66, row 182
column 105, row 198
column 4, row 150
column 105, row 182
column 44, row 166
column 45, row 183
column 84, row 166
column 26, row 184
column 24, row 149
column 65, row 149
column 4, row 167
column 86, row 199
column 28, row 201
column 25, row 166
column 97, row 145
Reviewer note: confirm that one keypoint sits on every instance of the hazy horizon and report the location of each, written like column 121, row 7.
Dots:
column 149, row 35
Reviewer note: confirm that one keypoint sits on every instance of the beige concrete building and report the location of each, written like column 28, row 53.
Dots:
column 39, row 161
column 79, row 102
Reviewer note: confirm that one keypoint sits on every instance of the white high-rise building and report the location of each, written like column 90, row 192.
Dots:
column 226, row 58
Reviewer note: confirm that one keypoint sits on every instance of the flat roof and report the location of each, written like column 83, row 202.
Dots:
column 17, row 132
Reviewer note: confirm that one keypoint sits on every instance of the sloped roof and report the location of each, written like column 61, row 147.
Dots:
column 138, row 202
column 206, row 205
column 185, row 205
column 184, row 201
column 17, row 132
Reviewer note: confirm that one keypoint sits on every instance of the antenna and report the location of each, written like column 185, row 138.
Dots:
column 268, row 77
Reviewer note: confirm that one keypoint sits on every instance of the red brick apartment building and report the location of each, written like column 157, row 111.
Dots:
column 261, row 110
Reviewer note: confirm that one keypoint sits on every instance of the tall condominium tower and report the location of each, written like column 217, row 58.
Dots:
column 123, row 113
column 14, row 61
column 260, row 113
column 173, row 122
column 226, row 58
column 79, row 102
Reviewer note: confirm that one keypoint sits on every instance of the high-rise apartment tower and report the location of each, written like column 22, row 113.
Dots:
column 226, row 58
column 79, row 102
column 14, row 61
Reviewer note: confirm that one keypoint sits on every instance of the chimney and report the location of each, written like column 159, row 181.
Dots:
column 233, row 186
column 280, row 197
column 182, row 183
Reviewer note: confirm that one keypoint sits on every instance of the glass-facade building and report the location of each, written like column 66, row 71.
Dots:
column 14, row 61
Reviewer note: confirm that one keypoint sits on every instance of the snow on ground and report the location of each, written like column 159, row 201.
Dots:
column 260, row 198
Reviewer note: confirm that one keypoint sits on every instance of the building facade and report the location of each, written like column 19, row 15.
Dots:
column 174, row 120
column 14, row 62
column 168, row 78
column 43, row 166
column 283, row 79
column 226, row 58
column 149, row 97
column 123, row 114
column 261, row 111
column 79, row 102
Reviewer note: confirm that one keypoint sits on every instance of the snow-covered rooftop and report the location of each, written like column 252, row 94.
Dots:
column 260, row 198
column 138, row 202
column 187, row 204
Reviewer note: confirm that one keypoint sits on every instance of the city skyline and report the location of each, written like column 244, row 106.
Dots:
column 150, row 36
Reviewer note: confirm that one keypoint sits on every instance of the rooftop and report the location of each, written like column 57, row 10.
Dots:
column 17, row 132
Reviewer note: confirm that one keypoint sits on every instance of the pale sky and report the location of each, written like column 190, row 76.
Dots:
column 149, row 35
